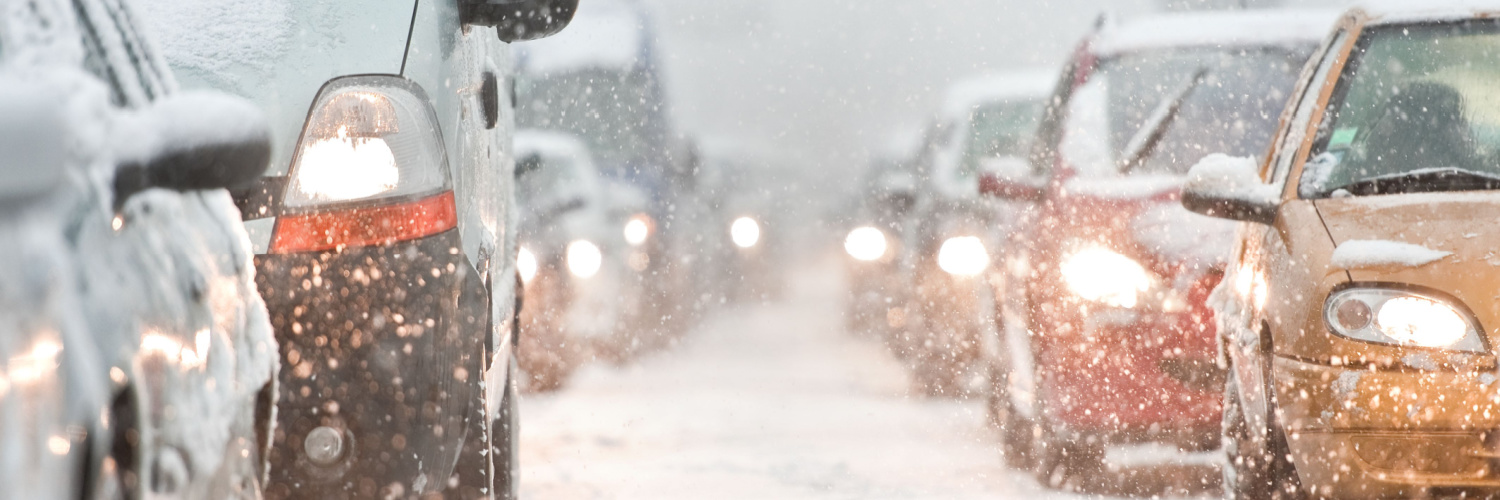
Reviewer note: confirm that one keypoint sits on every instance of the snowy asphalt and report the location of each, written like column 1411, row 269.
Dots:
column 774, row 401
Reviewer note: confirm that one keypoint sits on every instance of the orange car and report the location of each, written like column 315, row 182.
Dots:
column 1359, row 313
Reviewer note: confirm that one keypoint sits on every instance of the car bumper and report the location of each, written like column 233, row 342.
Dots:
column 385, row 344
column 1133, row 376
column 1397, row 434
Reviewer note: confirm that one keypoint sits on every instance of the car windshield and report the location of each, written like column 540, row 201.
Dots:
column 1002, row 129
column 1170, row 108
column 1415, row 103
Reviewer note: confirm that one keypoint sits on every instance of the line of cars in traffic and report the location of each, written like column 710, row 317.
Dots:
column 339, row 326
column 1336, row 342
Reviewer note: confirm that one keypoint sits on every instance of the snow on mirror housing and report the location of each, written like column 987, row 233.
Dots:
column 191, row 141
column 370, row 169
column 1402, row 318
column 1230, row 188
column 519, row 20
column 1010, row 178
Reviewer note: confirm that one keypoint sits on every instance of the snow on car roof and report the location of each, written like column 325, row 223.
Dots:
column 963, row 96
column 1216, row 29
column 608, row 34
column 1401, row 11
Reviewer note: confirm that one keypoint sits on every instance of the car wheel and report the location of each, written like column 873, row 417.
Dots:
column 1015, row 429
column 1255, row 469
column 1072, row 463
column 505, row 440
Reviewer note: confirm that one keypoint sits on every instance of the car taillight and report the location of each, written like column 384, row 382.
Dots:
column 370, row 169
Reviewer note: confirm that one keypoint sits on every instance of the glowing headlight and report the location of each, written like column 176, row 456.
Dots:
column 963, row 256
column 526, row 265
column 1100, row 275
column 745, row 232
column 865, row 243
column 637, row 230
column 584, row 259
column 1401, row 318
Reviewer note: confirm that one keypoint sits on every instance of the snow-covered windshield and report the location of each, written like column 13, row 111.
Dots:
column 1196, row 101
column 1417, row 108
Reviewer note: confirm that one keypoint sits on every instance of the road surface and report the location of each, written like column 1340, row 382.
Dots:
column 768, row 401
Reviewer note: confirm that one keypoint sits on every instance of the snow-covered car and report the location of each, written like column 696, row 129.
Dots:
column 1358, row 316
column 875, row 250
column 384, row 240
column 1106, row 334
column 984, row 120
column 136, row 357
column 742, row 199
column 573, row 260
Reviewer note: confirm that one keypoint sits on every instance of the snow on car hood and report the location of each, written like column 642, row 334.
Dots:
column 1419, row 232
column 277, row 53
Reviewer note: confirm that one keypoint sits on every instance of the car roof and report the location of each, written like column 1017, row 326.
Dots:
column 1408, row 11
column 1215, row 29
column 1029, row 85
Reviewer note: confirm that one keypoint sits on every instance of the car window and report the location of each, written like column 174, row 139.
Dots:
column 1226, row 101
column 1415, row 109
column 1001, row 129
column 114, row 51
column 1291, row 142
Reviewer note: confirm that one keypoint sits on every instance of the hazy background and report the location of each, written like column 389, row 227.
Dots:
column 827, row 81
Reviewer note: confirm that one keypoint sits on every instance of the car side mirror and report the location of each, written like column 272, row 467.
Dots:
column 1230, row 188
column 191, row 141
column 519, row 20
column 1010, row 178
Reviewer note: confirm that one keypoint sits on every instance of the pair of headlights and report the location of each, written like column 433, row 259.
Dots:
column 583, row 257
column 960, row 255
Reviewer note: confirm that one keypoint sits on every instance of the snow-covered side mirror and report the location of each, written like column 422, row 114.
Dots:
column 191, row 141
column 519, row 20
column 1010, row 178
column 37, row 137
column 1230, row 188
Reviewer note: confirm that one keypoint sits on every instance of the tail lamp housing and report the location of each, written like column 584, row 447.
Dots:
column 370, row 169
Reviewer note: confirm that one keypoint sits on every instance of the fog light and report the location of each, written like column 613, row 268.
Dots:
column 324, row 446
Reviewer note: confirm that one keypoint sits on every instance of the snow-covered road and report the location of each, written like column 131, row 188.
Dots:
column 766, row 401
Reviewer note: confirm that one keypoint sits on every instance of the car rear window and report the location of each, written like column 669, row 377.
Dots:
column 1225, row 101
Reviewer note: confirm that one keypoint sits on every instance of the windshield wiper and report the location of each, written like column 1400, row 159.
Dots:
column 1143, row 144
column 1427, row 180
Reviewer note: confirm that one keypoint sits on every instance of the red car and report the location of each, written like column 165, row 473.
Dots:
column 1101, row 291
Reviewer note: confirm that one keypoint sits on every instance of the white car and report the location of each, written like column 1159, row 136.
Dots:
column 136, row 358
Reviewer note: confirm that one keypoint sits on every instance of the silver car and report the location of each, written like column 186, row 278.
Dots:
column 136, row 358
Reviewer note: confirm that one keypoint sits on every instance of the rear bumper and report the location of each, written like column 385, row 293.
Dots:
column 385, row 343
column 1359, row 433
column 1132, row 376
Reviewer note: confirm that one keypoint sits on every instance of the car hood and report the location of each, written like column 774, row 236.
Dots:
column 1439, row 241
column 278, row 53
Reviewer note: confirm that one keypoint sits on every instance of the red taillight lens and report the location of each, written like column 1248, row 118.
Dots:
column 359, row 227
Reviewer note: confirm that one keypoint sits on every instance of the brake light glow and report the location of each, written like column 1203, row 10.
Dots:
column 382, row 225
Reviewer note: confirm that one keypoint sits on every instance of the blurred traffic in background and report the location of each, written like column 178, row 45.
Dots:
column 770, row 249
